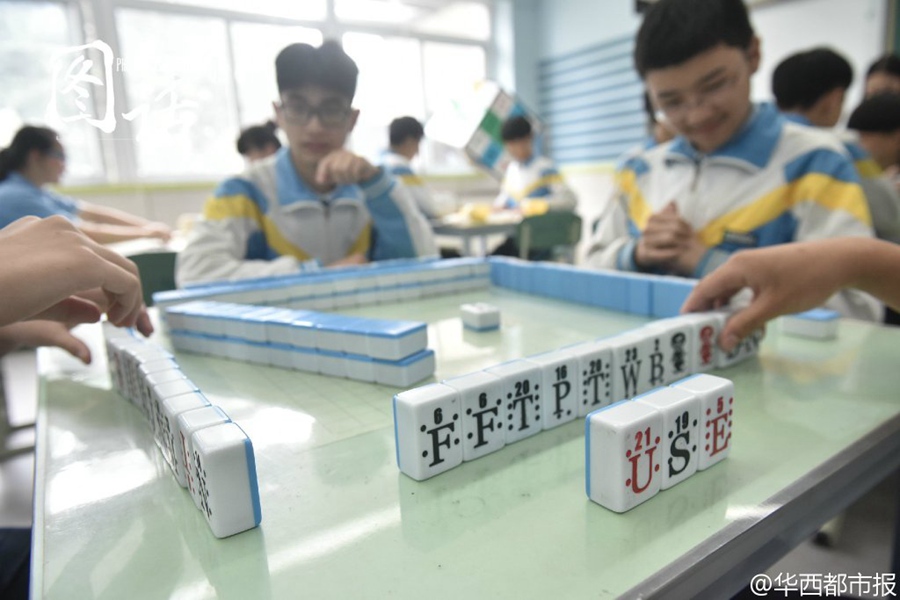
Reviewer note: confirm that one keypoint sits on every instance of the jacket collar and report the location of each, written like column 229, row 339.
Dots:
column 292, row 188
column 751, row 146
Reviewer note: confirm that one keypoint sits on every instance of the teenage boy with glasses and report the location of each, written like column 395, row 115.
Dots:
column 313, row 203
column 738, row 175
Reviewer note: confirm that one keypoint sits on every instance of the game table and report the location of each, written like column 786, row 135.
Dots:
column 816, row 425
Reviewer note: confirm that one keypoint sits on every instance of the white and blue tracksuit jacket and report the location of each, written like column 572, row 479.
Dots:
column 773, row 182
column 535, row 179
column 399, row 166
column 882, row 197
column 269, row 222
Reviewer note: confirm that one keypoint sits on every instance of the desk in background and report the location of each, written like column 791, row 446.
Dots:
column 816, row 425
column 464, row 228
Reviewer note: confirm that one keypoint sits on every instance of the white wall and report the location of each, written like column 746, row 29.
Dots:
column 518, row 48
column 568, row 25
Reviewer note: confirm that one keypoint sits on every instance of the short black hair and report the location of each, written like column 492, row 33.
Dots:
column 889, row 63
column 258, row 137
column 327, row 66
column 404, row 128
column 515, row 128
column 877, row 114
column 674, row 31
column 800, row 80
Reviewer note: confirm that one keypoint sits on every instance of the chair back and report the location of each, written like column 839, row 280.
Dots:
column 551, row 231
column 157, row 271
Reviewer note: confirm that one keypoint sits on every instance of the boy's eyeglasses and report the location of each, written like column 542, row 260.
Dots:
column 329, row 114
column 711, row 93
column 57, row 154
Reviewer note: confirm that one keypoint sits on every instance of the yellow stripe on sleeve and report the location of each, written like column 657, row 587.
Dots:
column 543, row 181
column 242, row 207
column 280, row 244
column 868, row 168
column 814, row 187
column 412, row 180
column 638, row 209
column 363, row 241
column 231, row 207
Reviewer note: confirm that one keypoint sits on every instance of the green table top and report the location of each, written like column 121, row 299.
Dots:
column 340, row 520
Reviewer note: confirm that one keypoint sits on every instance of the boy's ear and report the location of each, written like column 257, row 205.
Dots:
column 351, row 122
column 278, row 120
column 754, row 54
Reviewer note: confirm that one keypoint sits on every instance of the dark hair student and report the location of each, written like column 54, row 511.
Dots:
column 26, row 140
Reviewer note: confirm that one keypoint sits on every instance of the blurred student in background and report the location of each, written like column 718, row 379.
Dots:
column 36, row 159
column 405, row 136
column 810, row 88
column 883, row 76
column 258, row 141
column 877, row 120
column 313, row 203
column 532, row 185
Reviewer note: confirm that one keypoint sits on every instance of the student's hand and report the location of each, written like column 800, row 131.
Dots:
column 343, row 167
column 357, row 258
column 46, row 261
column 98, row 301
column 159, row 231
column 35, row 334
column 785, row 279
column 691, row 254
column 664, row 239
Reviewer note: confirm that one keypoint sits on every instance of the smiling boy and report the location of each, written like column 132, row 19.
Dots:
column 312, row 203
column 738, row 175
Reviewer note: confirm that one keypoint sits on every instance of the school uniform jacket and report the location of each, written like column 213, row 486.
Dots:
column 21, row 198
column 882, row 198
column 399, row 166
column 269, row 222
column 536, row 179
column 773, row 182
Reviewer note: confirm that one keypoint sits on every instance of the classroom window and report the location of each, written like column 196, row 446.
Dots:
column 406, row 76
column 179, row 93
column 390, row 86
column 470, row 20
column 450, row 71
column 37, row 47
column 291, row 9
column 166, row 85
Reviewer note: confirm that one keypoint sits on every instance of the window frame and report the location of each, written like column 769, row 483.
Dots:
column 96, row 19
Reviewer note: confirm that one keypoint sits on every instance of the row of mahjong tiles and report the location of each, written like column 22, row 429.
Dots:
column 441, row 425
column 398, row 281
column 233, row 338
column 209, row 455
